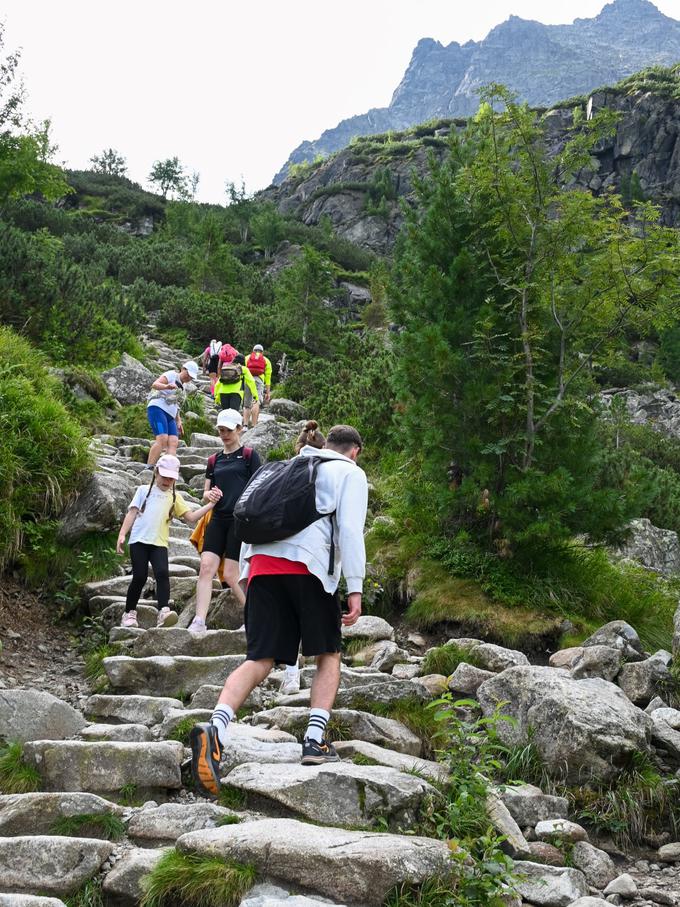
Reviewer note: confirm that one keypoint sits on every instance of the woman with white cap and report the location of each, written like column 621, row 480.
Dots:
column 149, row 516
column 261, row 369
column 162, row 409
column 227, row 474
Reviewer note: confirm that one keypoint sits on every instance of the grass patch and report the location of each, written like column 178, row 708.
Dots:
column 128, row 794
column 337, row 729
column 232, row 797
column 15, row 776
column 360, row 759
column 353, row 646
column 228, row 820
column 90, row 825
column 90, row 895
column 635, row 810
column 196, row 881
column 94, row 665
column 445, row 659
column 182, row 731
column 523, row 764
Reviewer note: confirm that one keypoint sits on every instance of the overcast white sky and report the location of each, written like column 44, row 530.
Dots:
column 230, row 86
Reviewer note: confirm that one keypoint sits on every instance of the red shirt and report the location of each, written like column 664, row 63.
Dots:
column 264, row 565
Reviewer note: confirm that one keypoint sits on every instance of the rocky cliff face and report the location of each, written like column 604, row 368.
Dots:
column 542, row 63
column 646, row 142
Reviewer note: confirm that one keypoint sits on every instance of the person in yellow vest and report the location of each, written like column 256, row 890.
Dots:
column 234, row 377
column 261, row 369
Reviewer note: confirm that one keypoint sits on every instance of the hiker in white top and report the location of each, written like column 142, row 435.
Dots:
column 162, row 408
column 291, row 597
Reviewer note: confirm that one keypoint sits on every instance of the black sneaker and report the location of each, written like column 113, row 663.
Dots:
column 314, row 753
column 206, row 753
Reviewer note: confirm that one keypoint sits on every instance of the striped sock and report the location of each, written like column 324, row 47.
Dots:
column 221, row 717
column 318, row 719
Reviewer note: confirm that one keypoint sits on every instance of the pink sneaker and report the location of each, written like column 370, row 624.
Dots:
column 167, row 618
column 129, row 619
column 197, row 625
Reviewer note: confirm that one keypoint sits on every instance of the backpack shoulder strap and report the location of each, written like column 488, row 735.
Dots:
column 212, row 460
column 247, row 453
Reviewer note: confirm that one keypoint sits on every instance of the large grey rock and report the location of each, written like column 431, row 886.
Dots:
column 128, row 733
column 206, row 697
column 99, row 507
column 349, row 678
column 123, row 884
column 49, row 865
column 391, row 691
column 29, row 900
column 618, row 635
column 36, row 814
column 361, row 725
column 266, row 436
column 352, row 866
column 514, row 843
column 239, row 751
column 164, row 675
column 433, row 771
column 346, row 794
column 180, row 718
column 623, row 885
column 528, row 805
column 369, row 627
column 467, row 679
column 497, row 658
column 641, row 681
column 665, row 735
column 129, row 382
column 669, row 853
column 582, row 729
column 560, row 830
column 34, row 715
column 589, row 901
column 549, row 886
column 386, row 655
column 287, row 409
column 148, row 710
column 596, row 865
column 596, row 661
column 106, row 767
column 273, row 896
column 167, row 822
column 657, row 549
column 670, row 716
column 178, row 641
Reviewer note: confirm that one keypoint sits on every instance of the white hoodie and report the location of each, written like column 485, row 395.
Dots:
column 341, row 490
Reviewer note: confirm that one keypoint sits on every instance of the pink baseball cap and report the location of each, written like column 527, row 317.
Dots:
column 168, row 466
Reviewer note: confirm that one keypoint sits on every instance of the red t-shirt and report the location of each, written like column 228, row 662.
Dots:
column 264, row 565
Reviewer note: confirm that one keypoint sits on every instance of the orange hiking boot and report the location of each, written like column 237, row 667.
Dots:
column 206, row 753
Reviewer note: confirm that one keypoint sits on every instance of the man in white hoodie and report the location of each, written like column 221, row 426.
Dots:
column 291, row 598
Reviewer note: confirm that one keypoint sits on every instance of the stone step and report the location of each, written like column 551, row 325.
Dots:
column 34, row 715
column 357, row 696
column 147, row 710
column 123, row 884
column 50, row 865
column 345, row 794
column 166, row 823
column 348, row 866
column 163, row 675
column 29, row 900
column 106, row 767
column 206, row 697
column 178, row 641
column 349, row 677
column 37, row 813
column 175, row 569
column 180, row 530
column 177, row 717
column 128, row 733
column 433, row 771
column 241, row 750
column 360, row 725
column 181, row 588
column 146, row 616
column 99, row 602
column 187, row 561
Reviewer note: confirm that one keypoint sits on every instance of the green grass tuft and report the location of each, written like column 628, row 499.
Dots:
column 90, row 825
column 410, row 712
column 228, row 820
column 94, row 665
column 15, row 776
column 360, row 759
column 196, row 881
column 352, row 647
column 90, row 895
column 232, row 797
column 445, row 659
column 182, row 731
column 128, row 794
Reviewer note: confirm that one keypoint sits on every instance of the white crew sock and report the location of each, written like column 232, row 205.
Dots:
column 318, row 719
column 221, row 717
column 292, row 671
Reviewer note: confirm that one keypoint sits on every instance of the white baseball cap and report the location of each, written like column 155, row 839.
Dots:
column 229, row 418
column 168, row 466
column 258, row 346
column 192, row 368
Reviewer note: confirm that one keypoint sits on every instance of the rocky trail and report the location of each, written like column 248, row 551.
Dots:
column 113, row 762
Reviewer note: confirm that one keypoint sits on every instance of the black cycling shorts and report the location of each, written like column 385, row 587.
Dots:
column 283, row 609
column 220, row 538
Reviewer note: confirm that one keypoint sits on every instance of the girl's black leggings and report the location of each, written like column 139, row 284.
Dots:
column 141, row 556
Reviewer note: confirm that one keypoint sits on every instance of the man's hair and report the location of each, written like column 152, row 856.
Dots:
column 343, row 438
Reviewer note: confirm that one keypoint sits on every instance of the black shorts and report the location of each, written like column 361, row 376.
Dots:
column 231, row 401
column 214, row 364
column 283, row 609
column 220, row 538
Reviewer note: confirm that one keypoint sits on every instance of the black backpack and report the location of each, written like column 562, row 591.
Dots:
column 279, row 501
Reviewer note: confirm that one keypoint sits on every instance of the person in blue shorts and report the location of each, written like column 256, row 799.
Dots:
column 162, row 409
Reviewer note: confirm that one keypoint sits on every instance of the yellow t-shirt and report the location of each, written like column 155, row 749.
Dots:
column 152, row 526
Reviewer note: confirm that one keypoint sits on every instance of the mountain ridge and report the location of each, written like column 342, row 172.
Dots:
column 542, row 63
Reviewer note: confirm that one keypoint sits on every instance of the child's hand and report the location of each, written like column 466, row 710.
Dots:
column 120, row 546
column 214, row 495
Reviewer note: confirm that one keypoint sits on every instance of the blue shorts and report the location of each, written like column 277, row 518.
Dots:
column 161, row 422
